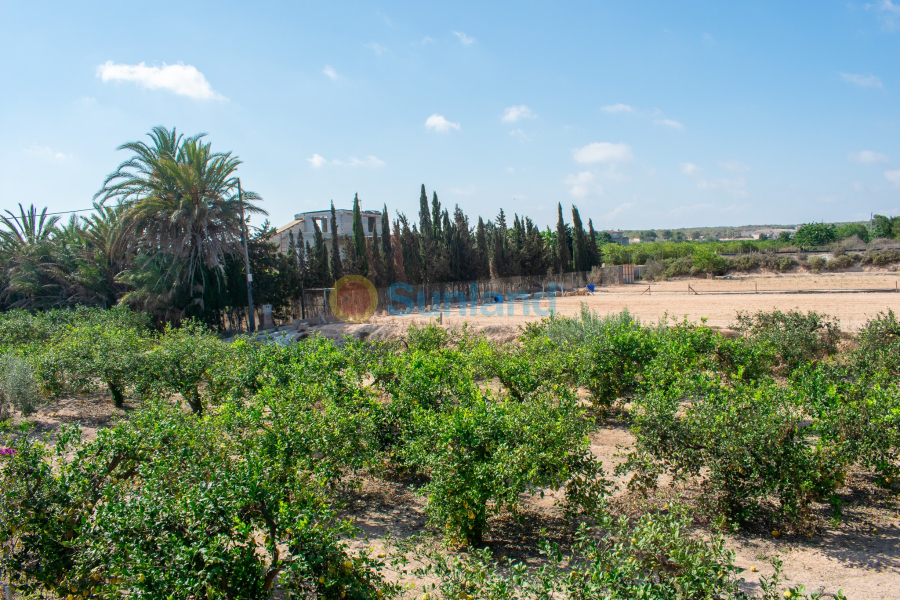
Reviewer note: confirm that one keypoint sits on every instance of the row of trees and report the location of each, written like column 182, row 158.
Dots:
column 166, row 233
column 444, row 247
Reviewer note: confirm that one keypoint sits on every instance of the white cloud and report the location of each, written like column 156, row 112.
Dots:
column 376, row 48
column 678, row 210
column 331, row 73
column 617, row 108
column 369, row 161
column 425, row 41
column 867, row 157
column 619, row 210
column 511, row 114
column 689, row 169
column 861, row 80
column 520, row 135
column 510, row 170
column 439, row 123
column 893, row 176
column 669, row 123
column 44, row 152
column 317, row 161
column 466, row 191
column 598, row 152
column 583, row 184
column 734, row 166
column 184, row 80
column 735, row 187
column 464, row 39
column 887, row 11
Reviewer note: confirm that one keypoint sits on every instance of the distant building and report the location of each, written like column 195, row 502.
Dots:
column 303, row 222
column 618, row 237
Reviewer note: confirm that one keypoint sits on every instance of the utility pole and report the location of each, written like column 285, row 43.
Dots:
column 244, row 236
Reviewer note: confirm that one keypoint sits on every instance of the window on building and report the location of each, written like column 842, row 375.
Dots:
column 323, row 223
column 371, row 224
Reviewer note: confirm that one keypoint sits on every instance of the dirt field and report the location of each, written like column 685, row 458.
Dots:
column 716, row 300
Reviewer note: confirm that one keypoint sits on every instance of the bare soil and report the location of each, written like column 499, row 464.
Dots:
column 716, row 300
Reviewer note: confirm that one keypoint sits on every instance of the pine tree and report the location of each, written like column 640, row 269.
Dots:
column 387, row 249
column 580, row 255
column 563, row 258
column 337, row 269
column 361, row 262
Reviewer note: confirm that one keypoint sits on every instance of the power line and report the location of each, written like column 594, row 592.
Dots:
column 63, row 212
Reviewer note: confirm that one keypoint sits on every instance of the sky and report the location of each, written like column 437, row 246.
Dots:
column 642, row 114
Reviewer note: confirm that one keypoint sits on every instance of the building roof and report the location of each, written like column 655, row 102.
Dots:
column 328, row 210
column 289, row 225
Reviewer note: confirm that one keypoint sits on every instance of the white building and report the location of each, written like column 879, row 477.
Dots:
column 303, row 222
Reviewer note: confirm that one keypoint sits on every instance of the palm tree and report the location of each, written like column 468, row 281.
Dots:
column 104, row 252
column 26, row 258
column 183, row 214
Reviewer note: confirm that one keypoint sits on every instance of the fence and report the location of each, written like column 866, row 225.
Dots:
column 452, row 293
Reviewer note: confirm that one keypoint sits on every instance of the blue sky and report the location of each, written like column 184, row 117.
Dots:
column 643, row 114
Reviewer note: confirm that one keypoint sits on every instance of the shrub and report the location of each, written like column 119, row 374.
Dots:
column 856, row 421
column 652, row 557
column 815, row 234
column 18, row 386
column 748, row 441
column 84, row 355
column 707, row 260
column 816, row 263
column 183, row 362
column 842, row 262
column 654, row 270
column 168, row 505
column 603, row 354
column 481, row 456
column 880, row 258
column 679, row 267
column 792, row 337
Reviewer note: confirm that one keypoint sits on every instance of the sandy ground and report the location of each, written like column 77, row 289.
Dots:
column 716, row 300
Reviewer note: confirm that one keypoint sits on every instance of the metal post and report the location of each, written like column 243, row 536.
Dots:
column 244, row 237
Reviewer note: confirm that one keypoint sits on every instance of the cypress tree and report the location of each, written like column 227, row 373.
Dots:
column 482, row 260
column 337, row 269
column 361, row 262
column 397, row 251
column 425, row 226
column 593, row 249
column 464, row 247
column 376, row 273
column 580, row 257
column 319, row 273
column 563, row 259
column 387, row 250
column 412, row 259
